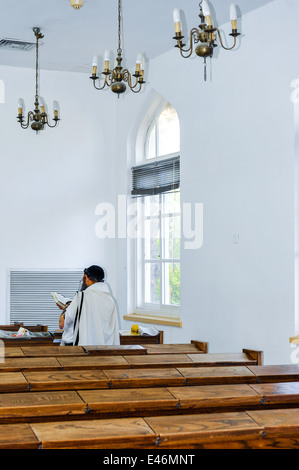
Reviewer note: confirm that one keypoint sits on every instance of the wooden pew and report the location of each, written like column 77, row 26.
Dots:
column 26, row 341
column 194, row 347
column 18, row 436
column 218, row 402
column 59, row 379
column 10, row 341
column 139, row 339
column 53, row 350
column 196, row 360
column 119, row 350
column 91, row 404
column 16, row 326
column 251, row 429
column 64, row 358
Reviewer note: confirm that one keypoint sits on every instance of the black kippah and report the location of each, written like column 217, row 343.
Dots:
column 95, row 273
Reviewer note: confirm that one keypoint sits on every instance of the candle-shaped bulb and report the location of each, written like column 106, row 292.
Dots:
column 206, row 12
column 177, row 20
column 107, row 59
column 138, row 61
column 42, row 104
column 94, row 64
column 20, row 106
column 55, row 109
column 233, row 16
column 139, row 58
column 176, row 15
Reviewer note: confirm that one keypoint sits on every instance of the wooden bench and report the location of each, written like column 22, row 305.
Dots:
column 119, row 350
column 10, row 341
column 73, row 358
column 251, row 429
column 139, row 339
column 71, row 404
column 193, row 347
column 211, row 401
column 17, row 326
column 53, row 350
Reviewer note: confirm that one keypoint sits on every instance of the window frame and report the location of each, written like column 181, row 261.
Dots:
column 140, row 305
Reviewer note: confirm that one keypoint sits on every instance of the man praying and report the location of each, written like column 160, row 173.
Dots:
column 91, row 318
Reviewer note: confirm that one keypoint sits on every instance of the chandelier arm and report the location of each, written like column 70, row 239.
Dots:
column 194, row 35
column 99, row 88
column 25, row 126
column 50, row 125
column 221, row 42
column 133, row 88
column 106, row 83
column 128, row 78
column 46, row 121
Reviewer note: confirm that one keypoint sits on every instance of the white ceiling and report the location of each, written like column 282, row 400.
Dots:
column 72, row 37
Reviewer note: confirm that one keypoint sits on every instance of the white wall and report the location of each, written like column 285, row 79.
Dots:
column 237, row 158
column 51, row 182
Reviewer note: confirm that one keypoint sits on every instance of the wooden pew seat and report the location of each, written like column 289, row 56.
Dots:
column 37, row 375
column 18, row 436
column 90, row 404
column 245, row 429
column 255, row 429
column 66, row 380
column 122, row 349
column 40, row 405
column 188, row 348
column 99, row 434
column 54, row 351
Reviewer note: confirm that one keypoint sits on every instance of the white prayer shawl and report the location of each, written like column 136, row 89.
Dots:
column 98, row 324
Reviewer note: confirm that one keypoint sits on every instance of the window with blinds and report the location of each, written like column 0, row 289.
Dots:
column 156, row 177
column 30, row 299
column 156, row 186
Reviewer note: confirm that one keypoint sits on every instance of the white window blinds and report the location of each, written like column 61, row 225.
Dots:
column 156, row 177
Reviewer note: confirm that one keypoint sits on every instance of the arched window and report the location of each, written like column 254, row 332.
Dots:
column 163, row 137
column 156, row 186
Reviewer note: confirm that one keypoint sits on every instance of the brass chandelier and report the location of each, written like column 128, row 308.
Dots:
column 76, row 4
column 205, row 36
column 116, row 78
column 37, row 118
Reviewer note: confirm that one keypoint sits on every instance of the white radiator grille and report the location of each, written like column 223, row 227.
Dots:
column 31, row 301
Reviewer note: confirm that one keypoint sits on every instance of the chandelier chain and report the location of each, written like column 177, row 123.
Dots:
column 119, row 32
column 36, row 67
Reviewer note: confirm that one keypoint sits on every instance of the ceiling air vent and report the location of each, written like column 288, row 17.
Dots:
column 16, row 44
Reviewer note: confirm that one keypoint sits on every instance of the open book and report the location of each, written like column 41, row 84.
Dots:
column 60, row 300
column 150, row 331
